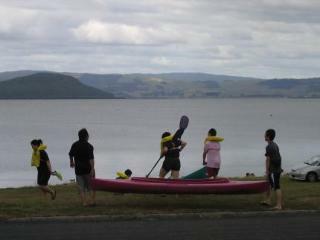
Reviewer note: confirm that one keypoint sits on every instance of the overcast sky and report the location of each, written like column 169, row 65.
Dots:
column 257, row 38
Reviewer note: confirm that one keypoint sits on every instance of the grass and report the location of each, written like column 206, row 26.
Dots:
column 28, row 202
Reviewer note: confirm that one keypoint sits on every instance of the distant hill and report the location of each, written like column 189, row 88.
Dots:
column 48, row 86
column 174, row 85
column 165, row 85
column 309, row 87
column 15, row 74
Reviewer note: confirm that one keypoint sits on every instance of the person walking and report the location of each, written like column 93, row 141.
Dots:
column 82, row 160
column 40, row 160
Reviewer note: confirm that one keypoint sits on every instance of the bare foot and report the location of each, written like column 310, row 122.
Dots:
column 265, row 203
column 277, row 208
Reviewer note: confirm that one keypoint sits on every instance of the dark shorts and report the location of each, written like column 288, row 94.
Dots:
column 171, row 164
column 274, row 180
column 212, row 172
column 43, row 177
column 84, row 182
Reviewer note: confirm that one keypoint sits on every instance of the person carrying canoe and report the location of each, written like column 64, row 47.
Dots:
column 211, row 154
column 171, row 146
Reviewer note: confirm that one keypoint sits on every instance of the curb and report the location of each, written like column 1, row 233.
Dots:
column 150, row 217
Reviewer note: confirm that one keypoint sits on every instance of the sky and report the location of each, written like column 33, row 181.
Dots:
column 255, row 38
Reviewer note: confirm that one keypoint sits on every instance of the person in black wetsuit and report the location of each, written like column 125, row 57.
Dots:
column 171, row 146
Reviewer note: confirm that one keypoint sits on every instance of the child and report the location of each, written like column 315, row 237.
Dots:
column 171, row 146
column 273, row 169
column 126, row 175
column 41, row 160
column 211, row 154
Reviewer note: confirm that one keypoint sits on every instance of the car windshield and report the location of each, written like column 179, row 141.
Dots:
column 314, row 161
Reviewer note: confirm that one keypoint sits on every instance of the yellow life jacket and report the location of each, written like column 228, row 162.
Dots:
column 122, row 175
column 213, row 139
column 35, row 160
column 165, row 139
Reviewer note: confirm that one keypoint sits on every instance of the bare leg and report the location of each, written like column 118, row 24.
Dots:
column 93, row 197
column 162, row 173
column 174, row 174
column 268, row 196
column 279, row 199
column 46, row 189
column 83, row 198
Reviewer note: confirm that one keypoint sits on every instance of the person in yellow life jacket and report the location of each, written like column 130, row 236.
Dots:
column 40, row 159
column 171, row 146
column 35, row 160
column 124, row 175
column 211, row 153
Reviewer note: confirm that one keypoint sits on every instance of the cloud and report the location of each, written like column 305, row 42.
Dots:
column 259, row 38
column 110, row 33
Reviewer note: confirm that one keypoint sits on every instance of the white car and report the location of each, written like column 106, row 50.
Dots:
column 309, row 172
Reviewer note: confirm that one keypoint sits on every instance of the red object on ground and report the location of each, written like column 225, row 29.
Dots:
column 179, row 186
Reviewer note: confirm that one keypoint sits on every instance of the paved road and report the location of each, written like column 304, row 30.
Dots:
column 293, row 227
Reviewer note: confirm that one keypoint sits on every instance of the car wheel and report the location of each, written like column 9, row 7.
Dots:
column 312, row 177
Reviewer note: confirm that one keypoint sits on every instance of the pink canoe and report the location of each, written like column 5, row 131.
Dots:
column 179, row 186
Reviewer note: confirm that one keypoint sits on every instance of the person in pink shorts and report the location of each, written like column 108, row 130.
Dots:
column 211, row 154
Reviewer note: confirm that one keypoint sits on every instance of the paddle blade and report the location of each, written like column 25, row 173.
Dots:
column 58, row 175
column 184, row 121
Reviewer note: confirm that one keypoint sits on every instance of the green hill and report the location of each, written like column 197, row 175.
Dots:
column 49, row 86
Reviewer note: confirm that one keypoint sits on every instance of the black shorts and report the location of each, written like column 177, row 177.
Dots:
column 274, row 180
column 43, row 177
column 171, row 164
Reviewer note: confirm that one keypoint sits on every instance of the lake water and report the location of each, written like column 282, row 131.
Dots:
column 126, row 133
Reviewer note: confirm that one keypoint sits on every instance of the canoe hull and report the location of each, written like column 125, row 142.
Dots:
column 179, row 186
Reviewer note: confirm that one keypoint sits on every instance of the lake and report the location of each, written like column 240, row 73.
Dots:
column 126, row 133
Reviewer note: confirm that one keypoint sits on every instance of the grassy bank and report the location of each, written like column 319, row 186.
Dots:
column 28, row 202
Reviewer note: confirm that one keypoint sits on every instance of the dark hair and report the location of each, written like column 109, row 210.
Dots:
column 128, row 172
column 36, row 142
column 271, row 133
column 212, row 132
column 165, row 134
column 83, row 134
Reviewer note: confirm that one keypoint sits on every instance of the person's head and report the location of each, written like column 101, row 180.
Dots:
column 212, row 132
column 270, row 135
column 128, row 172
column 165, row 134
column 83, row 134
column 35, row 143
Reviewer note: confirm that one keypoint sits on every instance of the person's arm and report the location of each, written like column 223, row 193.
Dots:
column 267, row 165
column 204, row 154
column 49, row 166
column 71, row 162
column 91, row 157
column 92, row 172
column 183, row 145
column 44, row 157
column 71, row 156
column 268, row 154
